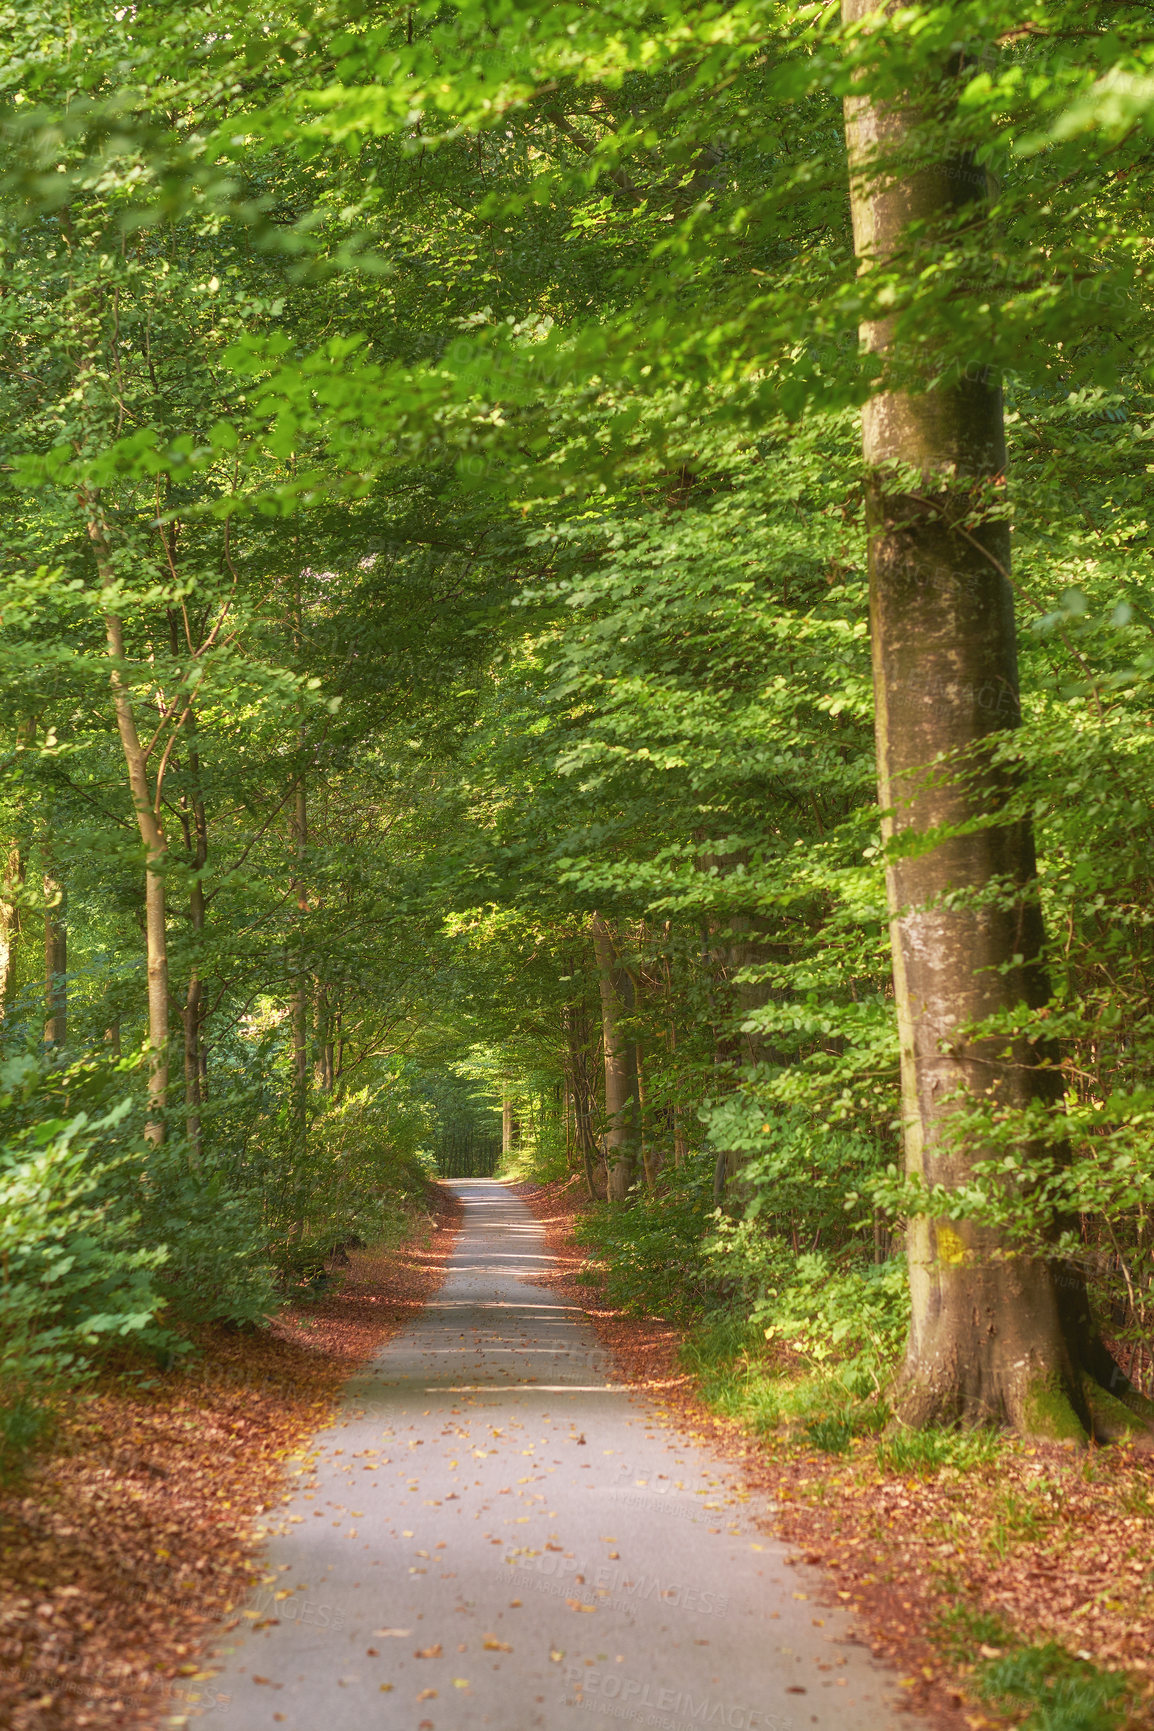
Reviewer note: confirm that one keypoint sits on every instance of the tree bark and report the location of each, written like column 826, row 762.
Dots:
column 196, row 842
column 993, row 1337
column 581, row 1060
column 55, row 962
column 621, row 1105
column 10, row 924
column 299, row 1004
column 151, row 834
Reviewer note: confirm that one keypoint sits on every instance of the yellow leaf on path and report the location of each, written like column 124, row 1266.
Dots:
column 801, row 1595
column 427, row 1695
column 576, row 1605
column 492, row 1645
column 556, row 1655
column 402, row 1632
column 385, row 1687
column 460, row 1682
column 433, row 1652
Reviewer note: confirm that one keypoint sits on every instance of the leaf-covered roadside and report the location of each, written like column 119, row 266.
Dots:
column 1008, row 1583
column 133, row 1535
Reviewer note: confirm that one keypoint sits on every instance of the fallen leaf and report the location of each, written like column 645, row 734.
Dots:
column 492, row 1645
column 379, row 1633
column 576, row 1605
column 427, row 1695
column 433, row 1652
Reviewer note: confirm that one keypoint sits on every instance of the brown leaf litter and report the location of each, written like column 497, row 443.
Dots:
column 130, row 1538
column 1057, row 1543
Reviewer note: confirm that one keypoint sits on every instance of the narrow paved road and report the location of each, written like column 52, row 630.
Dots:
column 493, row 1532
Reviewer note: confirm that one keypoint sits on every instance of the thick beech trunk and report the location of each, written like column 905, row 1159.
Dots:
column 622, row 1115
column 994, row 1336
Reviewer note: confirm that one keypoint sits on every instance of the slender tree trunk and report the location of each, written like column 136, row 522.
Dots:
column 992, row 1337
column 580, row 1062
column 10, row 924
column 650, row 1150
column 195, row 826
column 565, row 1095
column 151, row 834
column 323, row 1068
column 621, row 1107
column 299, row 1005
column 55, row 962
column 193, row 1013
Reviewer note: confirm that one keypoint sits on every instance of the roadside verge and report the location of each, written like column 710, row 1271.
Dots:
column 1016, row 1589
column 132, row 1537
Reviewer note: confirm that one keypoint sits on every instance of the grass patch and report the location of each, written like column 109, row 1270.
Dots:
column 1043, row 1687
column 927, row 1451
column 1061, row 1693
column 821, row 1407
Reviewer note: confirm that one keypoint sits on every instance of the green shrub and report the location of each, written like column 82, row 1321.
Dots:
column 75, row 1275
column 652, row 1250
column 362, row 1170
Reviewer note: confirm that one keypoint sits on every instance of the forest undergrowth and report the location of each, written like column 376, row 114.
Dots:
column 130, row 1533
column 1010, row 1582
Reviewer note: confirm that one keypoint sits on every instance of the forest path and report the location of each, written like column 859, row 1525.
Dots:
column 555, row 1552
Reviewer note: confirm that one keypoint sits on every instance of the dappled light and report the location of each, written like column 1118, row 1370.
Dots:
column 576, row 771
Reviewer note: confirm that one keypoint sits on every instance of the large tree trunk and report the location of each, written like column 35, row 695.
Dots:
column 994, row 1336
column 622, row 1112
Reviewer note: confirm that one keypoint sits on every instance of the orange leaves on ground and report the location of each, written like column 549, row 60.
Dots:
column 133, row 1538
